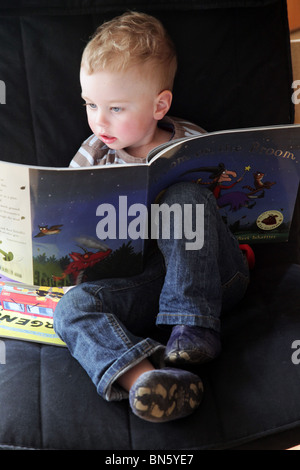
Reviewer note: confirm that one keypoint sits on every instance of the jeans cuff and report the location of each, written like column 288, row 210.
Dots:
column 108, row 388
column 206, row 321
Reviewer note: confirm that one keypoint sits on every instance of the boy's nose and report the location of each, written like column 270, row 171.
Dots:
column 101, row 119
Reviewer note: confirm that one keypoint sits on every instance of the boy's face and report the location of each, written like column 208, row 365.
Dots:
column 123, row 108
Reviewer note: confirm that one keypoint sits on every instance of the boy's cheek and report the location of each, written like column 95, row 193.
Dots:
column 92, row 125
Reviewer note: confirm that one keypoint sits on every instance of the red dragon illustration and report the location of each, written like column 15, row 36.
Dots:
column 82, row 261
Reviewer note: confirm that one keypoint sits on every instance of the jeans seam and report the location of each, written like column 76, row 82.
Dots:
column 237, row 275
column 128, row 286
column 118, row 330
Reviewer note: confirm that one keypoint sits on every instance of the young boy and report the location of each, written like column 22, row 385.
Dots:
column 127, row 75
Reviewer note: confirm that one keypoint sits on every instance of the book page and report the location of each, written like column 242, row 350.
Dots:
column 15, row 223
column 253, row 174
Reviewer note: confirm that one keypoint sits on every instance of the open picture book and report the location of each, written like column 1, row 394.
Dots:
column 62, row 226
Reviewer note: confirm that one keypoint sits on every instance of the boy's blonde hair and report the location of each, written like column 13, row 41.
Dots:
column 129, row 40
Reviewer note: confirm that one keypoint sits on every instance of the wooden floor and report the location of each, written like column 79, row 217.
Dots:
column 295, row 34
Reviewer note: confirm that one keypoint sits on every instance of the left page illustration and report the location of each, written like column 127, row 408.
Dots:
column 15, row 222
column 81, row 222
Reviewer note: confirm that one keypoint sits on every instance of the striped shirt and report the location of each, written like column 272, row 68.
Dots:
column 94, row 152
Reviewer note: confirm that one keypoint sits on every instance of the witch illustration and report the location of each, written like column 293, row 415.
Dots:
column 220, row 175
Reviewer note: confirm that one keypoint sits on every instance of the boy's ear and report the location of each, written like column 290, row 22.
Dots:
column 162, row 104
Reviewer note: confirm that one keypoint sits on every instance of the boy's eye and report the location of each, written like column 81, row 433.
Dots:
column 116, row 109
column 90, row 105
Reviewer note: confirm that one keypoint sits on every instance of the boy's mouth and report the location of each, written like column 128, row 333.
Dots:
column 107, row 139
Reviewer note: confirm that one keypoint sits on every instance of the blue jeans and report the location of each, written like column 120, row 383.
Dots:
column 111, row 325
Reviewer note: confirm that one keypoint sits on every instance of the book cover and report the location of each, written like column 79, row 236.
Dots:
column 26, row 312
